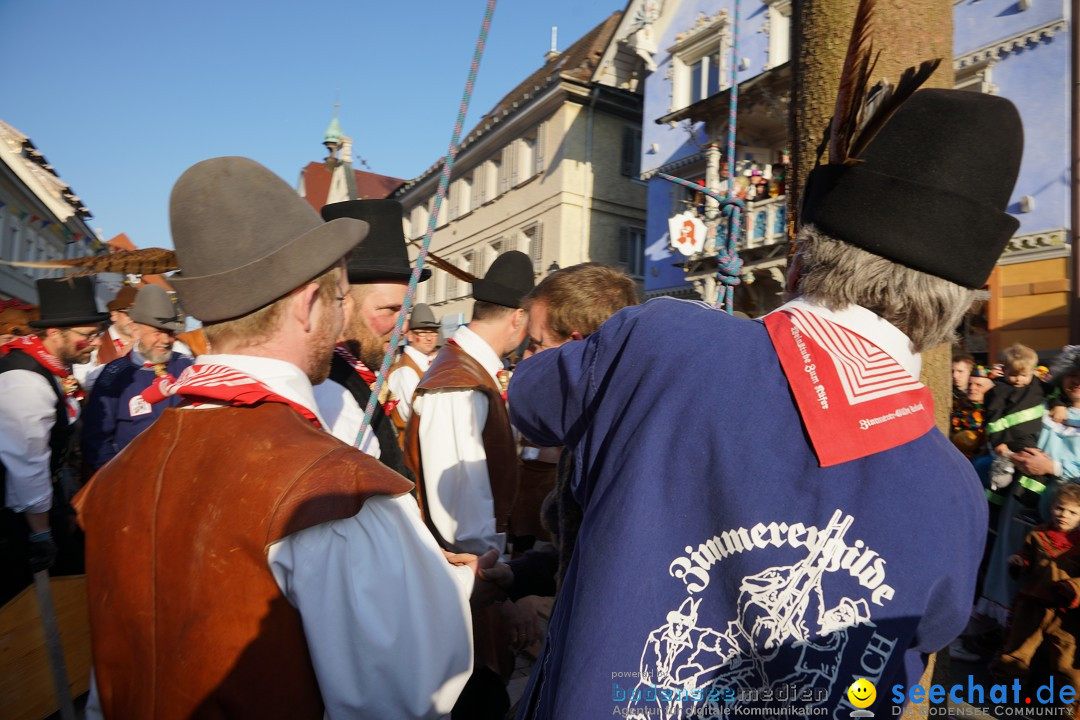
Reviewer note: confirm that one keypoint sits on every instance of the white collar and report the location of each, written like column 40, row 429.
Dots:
column 480, row 351
column 282, row 377
column 115, row 334
column 424, row 361
column 873, row 327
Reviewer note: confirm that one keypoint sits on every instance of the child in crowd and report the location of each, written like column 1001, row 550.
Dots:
column 1044, row 611
column 1014, row 410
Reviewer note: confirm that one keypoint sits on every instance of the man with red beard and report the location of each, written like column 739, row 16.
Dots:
column 117, row 412
column 39, row 408
column 241, row 561
column 378, row 279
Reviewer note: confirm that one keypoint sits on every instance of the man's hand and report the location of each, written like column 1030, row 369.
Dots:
column 1017, row 561
column 1033, row 462
column 42, row 551
column 523, row 620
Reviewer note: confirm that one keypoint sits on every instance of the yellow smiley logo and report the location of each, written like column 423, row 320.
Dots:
column 862, row 693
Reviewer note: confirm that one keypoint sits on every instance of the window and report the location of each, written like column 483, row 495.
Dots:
column 452, row 284
column 976, row 76
column 420, row 215
column 478, row 187
column 632, row 250
column 530, row 155
column 462, row 200
column 700, row 61
column 493, row 177
column 534, row 235
column 507, row 171
column 631, row 151
column 779, row 28
column 474, row 262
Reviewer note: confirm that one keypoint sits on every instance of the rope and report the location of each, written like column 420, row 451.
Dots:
column 444, row 183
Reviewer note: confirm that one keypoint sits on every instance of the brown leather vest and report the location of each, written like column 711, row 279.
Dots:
column 455, row 369
column 395, row 417
column 187, row 620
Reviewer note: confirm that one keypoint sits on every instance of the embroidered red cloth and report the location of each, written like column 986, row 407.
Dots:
column 32, row 346
column 220, row 384
column 854, row 398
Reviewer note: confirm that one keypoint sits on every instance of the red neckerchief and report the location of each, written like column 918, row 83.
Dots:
column 502, row 378
column 854, row 398
column 220, row 384
column 32, row 346
column 1058, row 542
column 364, row 372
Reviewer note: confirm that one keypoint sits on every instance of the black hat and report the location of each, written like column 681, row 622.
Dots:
column 244, row 238
column 67, row 303
column 383, row 255
column 423, row 319
column 507, row 281
column 932, row 187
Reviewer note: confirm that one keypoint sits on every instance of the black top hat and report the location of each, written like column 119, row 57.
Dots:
column 507, row 281
column 67, row 303
column 244, row 238
column 423, row 319
column 932, row 189
column 383, row 255
column 155, row 308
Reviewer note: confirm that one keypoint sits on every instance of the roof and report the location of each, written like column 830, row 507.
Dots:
column 369, row 186
column 16, row 148
column 576, row 64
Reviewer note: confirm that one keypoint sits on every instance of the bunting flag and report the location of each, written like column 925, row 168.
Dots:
column 46, row 223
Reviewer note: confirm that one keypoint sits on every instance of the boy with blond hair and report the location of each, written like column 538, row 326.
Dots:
column 1014, row 410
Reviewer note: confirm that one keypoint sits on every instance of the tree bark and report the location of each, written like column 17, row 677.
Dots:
column 906, row 32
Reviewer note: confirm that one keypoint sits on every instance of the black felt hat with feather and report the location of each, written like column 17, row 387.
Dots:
column 921, row 178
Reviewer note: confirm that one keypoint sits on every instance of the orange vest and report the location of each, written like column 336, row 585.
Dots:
column 395, row 416
column 187, row 618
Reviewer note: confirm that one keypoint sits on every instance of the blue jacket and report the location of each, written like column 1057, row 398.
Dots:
column 717, row 563
column 114, row 416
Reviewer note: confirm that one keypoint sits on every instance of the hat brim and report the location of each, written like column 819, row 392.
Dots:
column 425, row 326
column 389, row 271
column 173, row 326
column 243, row 290
column 497, row 293
column 960, row 238
column 95, row 319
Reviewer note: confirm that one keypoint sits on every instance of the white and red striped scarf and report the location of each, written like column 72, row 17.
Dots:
column 854, row 398
column 201, row 384
column 365, row 374
column 32, row 346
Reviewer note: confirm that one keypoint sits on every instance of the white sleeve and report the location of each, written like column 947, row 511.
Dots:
column 27, row 416
column 403, row 382
column 387, row 618
column 343, row 416
column 458, row 497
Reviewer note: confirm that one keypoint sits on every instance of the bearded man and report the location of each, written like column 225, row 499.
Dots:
column 40, row 405
column 117, row 412
column 241, row 561
column 378, row 272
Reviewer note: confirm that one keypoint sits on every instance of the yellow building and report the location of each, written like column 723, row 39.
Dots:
column 552, row 170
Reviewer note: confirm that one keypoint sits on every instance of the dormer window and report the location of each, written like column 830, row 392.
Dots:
column 700, row 60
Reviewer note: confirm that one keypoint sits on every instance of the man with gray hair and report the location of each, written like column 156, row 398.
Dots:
column 781, row 472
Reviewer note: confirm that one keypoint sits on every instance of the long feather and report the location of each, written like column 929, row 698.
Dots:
column 149, row 261
column 884, row 104
column 852, row 87
column 447, row 266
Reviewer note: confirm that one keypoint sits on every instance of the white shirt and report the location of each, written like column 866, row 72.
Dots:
column 404, row 380
column 459, row 499
column 344, row 416
column 27, row 415
column 387, row 619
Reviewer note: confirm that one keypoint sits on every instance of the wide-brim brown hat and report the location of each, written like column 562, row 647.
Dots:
column 244, row 238
column 125, row 298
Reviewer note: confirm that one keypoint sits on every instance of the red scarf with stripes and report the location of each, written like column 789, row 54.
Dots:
column 220, row 384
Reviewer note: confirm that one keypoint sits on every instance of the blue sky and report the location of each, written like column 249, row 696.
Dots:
column 123, row 95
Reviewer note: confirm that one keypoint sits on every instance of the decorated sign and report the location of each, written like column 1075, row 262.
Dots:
column 687, row 233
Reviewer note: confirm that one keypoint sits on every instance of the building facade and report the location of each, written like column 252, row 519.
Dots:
column 1019, row 50
column 552, row 170
column 41, row 218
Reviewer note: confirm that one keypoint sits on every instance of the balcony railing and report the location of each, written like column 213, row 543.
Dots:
column 764, row 223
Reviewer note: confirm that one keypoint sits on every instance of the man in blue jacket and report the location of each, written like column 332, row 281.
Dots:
column 770, row 513
column 117, row 413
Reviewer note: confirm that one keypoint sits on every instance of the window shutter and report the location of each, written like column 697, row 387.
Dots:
column 504, row 171
column 451, row 285
column 481, row 180
column 536, row 246
column 624, row 246
column 511, row 149
column 538, row 150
